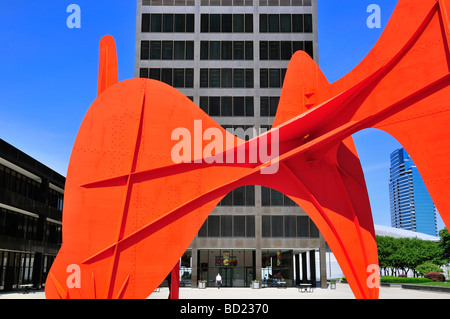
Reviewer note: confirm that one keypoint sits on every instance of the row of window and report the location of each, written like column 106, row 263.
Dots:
column 23, row 226
column 283, row 50
column 18, row 225
column 226, row 50
column 167, row 22
column 226, row 2
column 228, row 226
column 271, row 78
column 167, row 50
column 285, row 23
column 178, row 78
column 227, row 105
column 226, row 78
column 272, row 226
column 19, row 184
column 288, row 226
column 241, row 196
column 226, row 23
column 223, row 50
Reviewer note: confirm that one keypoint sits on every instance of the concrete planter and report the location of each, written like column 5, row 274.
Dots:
column 201, row 285
column 255, row 285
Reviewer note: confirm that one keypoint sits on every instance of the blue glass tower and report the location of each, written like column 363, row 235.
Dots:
column 411, row 205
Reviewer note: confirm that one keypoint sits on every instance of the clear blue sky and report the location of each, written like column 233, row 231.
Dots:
column 48, row 74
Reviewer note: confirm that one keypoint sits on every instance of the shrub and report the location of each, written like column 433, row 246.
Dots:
column 404, row 280
column 402, row 275
column 427, row 267
column 435, row 276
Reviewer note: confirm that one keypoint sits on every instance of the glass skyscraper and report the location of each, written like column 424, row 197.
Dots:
column 411, row 205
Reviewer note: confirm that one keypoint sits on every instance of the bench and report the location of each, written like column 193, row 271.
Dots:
column 305, row 288
column 281, row 284
column 26, row 288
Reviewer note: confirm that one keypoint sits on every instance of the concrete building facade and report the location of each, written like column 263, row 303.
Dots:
column 230, row 57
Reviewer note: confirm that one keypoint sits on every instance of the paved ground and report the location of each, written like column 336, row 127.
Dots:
column 342, row 291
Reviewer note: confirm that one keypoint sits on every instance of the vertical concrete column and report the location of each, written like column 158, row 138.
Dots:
column 323, row 262
column 304, row 268
column 312, row 266
column 194, row 269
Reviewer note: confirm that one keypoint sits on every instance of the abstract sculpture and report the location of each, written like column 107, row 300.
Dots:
column 130, row 212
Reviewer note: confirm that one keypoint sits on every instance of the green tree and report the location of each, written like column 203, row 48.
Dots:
column 444, row 245
column 427, row 267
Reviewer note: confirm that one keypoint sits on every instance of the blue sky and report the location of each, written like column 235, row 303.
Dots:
column 48, row 74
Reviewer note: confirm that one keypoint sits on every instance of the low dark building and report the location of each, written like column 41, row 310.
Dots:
column 31, row 198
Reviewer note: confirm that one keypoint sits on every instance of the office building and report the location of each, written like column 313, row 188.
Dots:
column 31, row 198
column 230, row 58
column 411, row 205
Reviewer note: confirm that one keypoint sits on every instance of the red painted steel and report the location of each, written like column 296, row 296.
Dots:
column 130, row 212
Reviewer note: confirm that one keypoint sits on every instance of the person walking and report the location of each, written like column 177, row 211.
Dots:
column 219, row 280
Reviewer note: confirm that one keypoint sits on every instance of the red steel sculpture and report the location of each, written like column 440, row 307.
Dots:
column 130, row 211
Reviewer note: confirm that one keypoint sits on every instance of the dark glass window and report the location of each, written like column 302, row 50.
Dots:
column 204, row 78
column 180, row 23
column 290, row 226
column 274, row 78
column 143, row 73
column 214, row 23
column 263, row 50
column 214, row 50
column 274, row 23
column 285, row 23
column 274, row 50
column 250, row 226
column 238, row 50
column 286, row 50
column 227, row 23
column 249, row 50
column 297, row 45
column 155, row 74
column 204, row 23
column 178, row 78
column 145, row 27
column 238, row 106
column 238, row 78
column 214, row 106
column 265, row 231
column 227, row 105
column 214, row 78
column 277, row 226
column 189, row 50
column 264, row 106
column 250, row 189
column 238, row 23
column 226, row 225
column 167, row 22
column 309, row 48
column 273, row 105
column 213, row 226
column 227, row 78
column 227, row 50
column 276, row 198
column 145, row 50
column 239, row 196
column 189, row 83
column 166, row 76
column 179, row 50
column 297, row 22
column 308, row 27
column 249, row 23
column 264, row 78
column 167, row 50
column 302, row 226
column 239, row 226
column 155, row 50
column 263, row 23
column 204, row 50
column 249, row 78
column 156, row 22
column 189, row 23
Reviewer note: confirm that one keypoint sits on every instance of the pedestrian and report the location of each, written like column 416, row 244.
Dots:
column 218, row 280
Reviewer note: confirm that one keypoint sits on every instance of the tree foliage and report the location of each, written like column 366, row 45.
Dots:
column 406, row 254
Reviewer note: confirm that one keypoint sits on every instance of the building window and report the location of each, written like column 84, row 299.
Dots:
column 285, row 23
column 226, row 78
column 157, row 22
column 226, row 23
column 178, row 78
column 288, row 226
column 228, row 226
column 271, row 197
column 226, row 50
column 283, row 50
column 227, row 105
column 167, row 50
column 272, row 78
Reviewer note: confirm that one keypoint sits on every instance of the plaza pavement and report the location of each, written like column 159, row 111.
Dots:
column 342, row 291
